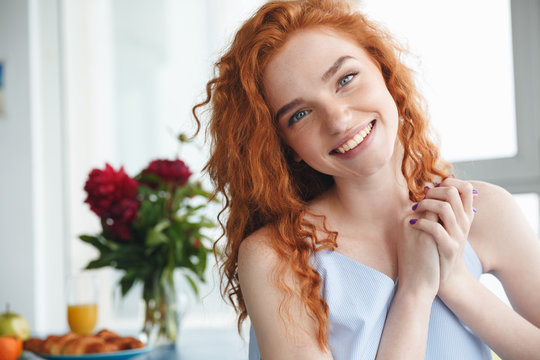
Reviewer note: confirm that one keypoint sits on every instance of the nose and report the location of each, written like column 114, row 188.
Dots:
column 338, row 117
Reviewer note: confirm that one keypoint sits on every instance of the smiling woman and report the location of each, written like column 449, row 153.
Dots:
column 352, row 86
column 334, row 188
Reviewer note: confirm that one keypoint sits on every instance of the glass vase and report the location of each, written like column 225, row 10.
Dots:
column 162, row 317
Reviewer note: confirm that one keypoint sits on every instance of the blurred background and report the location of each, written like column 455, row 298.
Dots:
column 84, row 82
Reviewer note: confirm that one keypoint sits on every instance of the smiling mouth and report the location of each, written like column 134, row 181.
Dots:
column 355, row 140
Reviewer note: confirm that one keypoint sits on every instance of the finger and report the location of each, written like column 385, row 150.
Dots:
column 429, row 216
column 449, row 194
column 447, row 248
column 442, row 209
column 466, row 190
column 461, row 203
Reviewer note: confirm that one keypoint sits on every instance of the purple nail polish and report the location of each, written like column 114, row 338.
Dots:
column 415, row 206
column 475, row 192
column 426, row 188
column 439, row 184
column 413, row 221
column 474, row 210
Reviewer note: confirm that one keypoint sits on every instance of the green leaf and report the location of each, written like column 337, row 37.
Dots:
column 193, row 284
column 96, row 264
column 201, row 265
column 120, row 258
column 162, row 225
column 127, row 281
column 95, row 241
column 155, row 237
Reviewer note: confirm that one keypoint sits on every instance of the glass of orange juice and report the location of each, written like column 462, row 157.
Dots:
column 82, row 309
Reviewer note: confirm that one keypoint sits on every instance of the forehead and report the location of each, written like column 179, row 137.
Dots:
column 306, row 55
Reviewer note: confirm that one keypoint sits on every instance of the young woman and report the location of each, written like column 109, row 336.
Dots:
column 346, row 235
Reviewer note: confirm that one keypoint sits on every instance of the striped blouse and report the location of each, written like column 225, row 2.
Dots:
column 359, row 298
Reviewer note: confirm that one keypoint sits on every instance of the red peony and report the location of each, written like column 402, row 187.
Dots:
column 112, row 195
column 169, row 171
column 122, row 213
column 119, row 230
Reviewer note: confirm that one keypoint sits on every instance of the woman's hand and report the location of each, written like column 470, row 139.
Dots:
column 405, row 331
column 446, row 214
column 418, row 259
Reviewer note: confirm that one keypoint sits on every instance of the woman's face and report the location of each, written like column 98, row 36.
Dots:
column 331, row 103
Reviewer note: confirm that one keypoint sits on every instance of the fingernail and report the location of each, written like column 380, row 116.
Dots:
column 475, row 192
column 415, row 206
column 426, row 188
column 439, row 184
column 474, row 210
column 413, row 221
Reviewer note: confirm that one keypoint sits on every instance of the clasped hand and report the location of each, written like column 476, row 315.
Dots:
column 430, row 255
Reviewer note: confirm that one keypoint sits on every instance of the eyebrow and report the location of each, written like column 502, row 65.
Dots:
column 334, row 68
column 288, row 107
column 327, row 75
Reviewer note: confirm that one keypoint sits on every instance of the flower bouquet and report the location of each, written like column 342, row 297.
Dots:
column 151, row 225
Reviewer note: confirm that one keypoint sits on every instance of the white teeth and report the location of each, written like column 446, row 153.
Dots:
column 351, row 143
column 356, row 140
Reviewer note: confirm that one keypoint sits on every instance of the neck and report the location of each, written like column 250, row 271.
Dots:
column 377, row 201
column 372, row 199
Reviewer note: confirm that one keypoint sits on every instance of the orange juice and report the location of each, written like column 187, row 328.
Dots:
column 82, row 318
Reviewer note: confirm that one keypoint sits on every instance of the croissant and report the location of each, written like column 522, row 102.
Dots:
column 83, row 345
column 73, row 344
column 55, row 344
column 106, row 334
column 34, row 345
column 47, row 343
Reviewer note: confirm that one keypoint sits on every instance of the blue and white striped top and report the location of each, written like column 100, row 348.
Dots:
column 359, row 298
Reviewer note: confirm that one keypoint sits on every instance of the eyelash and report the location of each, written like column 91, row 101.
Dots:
column 294, row 118
column 351, row 76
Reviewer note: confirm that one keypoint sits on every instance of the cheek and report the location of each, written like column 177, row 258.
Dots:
column 305, row 148
column 388, row 109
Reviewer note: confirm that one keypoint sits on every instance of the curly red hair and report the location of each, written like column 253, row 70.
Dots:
column 253, row 169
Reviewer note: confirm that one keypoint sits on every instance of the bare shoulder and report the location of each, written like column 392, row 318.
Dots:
column 256, row 254
column 491, row 203
column 263, row 296
column 495, row 192
column 499, row 225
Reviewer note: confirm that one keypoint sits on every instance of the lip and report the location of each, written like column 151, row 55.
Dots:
column 350, row 134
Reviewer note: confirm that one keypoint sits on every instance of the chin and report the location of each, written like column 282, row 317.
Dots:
column 378, row 164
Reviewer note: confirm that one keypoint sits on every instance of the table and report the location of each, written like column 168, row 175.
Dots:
column 203, row 344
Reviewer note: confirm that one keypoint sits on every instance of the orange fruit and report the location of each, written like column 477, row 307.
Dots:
column 10, row 348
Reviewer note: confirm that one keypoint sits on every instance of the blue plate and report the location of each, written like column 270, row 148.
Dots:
column 117, row 355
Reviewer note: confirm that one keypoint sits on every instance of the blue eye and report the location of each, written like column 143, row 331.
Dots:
column 297, row 116
column 346, row 79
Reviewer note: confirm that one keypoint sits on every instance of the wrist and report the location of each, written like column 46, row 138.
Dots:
column 416, row 298
column 455, row 287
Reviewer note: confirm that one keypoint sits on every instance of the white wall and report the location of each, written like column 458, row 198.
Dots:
column 32, row 219
column 16, row 208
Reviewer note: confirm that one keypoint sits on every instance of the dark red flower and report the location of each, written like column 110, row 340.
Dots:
column 106, row 187
column 120, row 217
column 119, row 230
column 112, row 195
column 169, row 171
column 124, row 210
